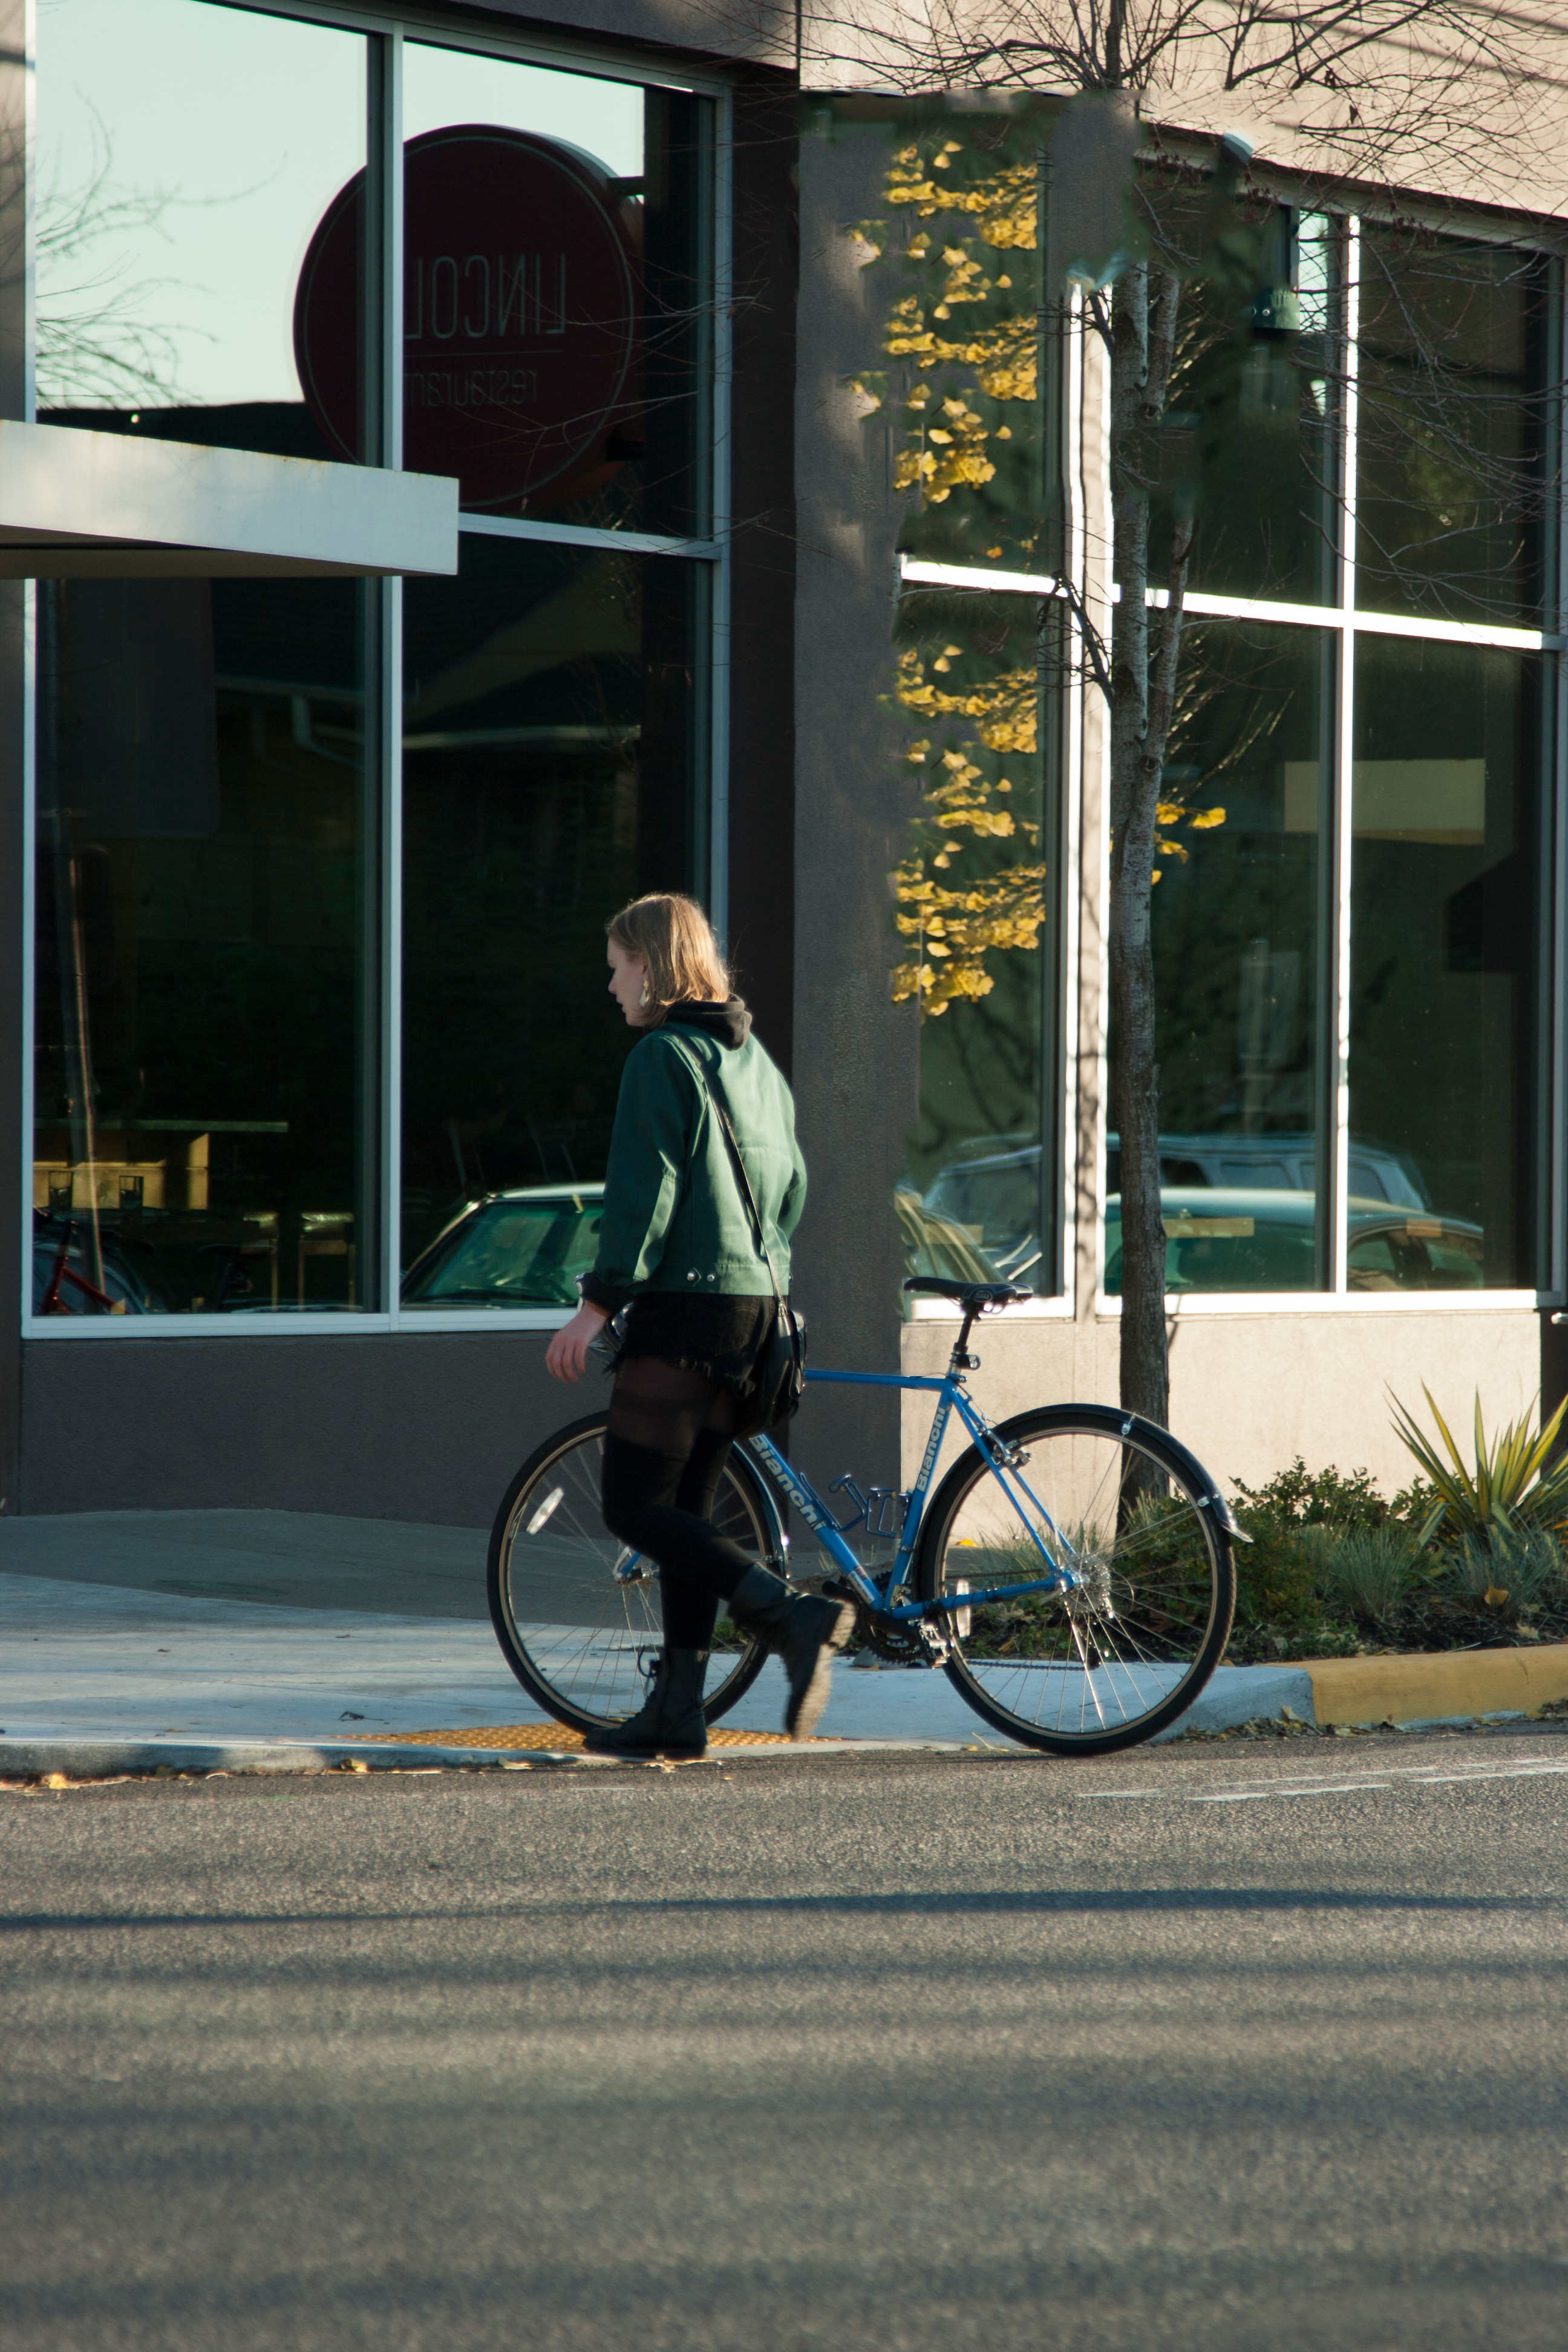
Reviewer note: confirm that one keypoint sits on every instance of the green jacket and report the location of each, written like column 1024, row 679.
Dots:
column 674, row 1219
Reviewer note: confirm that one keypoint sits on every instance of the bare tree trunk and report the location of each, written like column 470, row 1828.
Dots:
column 1143, row 670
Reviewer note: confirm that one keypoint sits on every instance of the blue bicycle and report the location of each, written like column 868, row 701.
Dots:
column 1071, row 1573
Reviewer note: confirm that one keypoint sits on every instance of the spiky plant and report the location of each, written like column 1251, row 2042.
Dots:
column 1508, row 1570
column 1514, row 1479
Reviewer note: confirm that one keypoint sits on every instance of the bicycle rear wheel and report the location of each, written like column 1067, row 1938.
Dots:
column 1121, row 1658
column 577, row 1615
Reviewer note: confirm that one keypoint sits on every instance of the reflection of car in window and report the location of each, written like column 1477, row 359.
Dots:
column 987, row 1195
column 1227, row 1239
column 523, row 1248
column 1283, row 1163
column 989, row 1200
column 937, row 1245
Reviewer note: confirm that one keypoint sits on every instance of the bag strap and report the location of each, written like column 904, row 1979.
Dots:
column 698, row 1069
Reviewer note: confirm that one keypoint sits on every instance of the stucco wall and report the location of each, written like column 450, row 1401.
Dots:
column 855, row 1051
column 1250, row 1391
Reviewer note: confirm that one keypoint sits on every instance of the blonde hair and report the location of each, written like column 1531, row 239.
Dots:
column 675, row 940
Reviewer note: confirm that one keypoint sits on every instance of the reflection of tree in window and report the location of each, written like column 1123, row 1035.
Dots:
column 549, row 774
column 1454, row 404
column 1234, row 918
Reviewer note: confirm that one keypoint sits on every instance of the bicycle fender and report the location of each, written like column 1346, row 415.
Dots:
column 1116, row 1423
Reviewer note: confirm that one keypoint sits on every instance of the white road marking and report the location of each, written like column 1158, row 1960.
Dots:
column 1416, row 1776
column 1311, row 1789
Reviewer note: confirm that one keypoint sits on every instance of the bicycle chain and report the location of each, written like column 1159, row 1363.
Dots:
column 900, row 1644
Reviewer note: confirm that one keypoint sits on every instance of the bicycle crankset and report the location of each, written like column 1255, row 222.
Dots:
column 901, row 1642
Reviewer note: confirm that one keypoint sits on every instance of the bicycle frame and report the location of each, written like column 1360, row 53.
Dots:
column 64, row 1272
column 883, row 1595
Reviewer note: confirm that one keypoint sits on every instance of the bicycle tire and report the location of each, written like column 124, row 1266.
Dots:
column 578, row 1641
column 1087, row 1673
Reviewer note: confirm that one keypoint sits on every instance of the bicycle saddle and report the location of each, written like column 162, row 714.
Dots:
column 974, row 1297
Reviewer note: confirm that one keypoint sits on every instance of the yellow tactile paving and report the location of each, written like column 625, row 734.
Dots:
column 554, row 1735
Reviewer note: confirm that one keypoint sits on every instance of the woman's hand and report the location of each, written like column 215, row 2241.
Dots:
column 568, row 1350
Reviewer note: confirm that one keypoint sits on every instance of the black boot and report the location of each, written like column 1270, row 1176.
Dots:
column 670, row 1720
column 805, row 1630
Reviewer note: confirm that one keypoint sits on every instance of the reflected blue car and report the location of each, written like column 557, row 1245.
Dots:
column 1223, row 1238
column 521, row 1248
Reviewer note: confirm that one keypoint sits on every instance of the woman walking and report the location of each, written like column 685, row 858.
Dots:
column 677, row 1249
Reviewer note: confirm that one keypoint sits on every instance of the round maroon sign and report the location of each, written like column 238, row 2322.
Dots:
column 520, row 316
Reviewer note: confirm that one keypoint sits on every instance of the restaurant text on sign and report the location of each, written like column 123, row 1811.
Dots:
column 522, row 319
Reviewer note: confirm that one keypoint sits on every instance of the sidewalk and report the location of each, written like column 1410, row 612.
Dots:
column 208, row 1627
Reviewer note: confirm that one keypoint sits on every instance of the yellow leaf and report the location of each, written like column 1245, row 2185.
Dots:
column 1495, row 1595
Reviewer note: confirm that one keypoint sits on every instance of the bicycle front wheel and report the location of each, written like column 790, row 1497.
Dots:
column 576, row 1614
column 1119, row 1501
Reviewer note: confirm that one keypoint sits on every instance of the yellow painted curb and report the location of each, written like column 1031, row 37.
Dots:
column 1453, row 1682
column 552, row 1735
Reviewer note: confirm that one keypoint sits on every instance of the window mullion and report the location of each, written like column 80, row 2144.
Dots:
column 1340, row 837
column 384, row 375
column 716, row 881
column 1552, row 1269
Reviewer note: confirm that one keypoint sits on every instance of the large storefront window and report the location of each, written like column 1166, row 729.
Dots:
column 1447, row 931
column 1247, row 440
column 174, row 209
column 1352, row 844
column 283, row 1045
column 1236, row 914
column 202, row 1138
column 1456, row 395
column 561, row 371
column 964, row 420
column 1434, row 1183
column 979, row 1200
column 553, row 767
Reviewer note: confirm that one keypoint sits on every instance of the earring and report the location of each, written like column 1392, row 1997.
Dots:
column 643, row 998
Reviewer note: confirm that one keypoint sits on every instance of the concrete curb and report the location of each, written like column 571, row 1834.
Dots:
column 1236, row 1695
column 93, row 1759
column 1442, row 1685
column 1451, row 1686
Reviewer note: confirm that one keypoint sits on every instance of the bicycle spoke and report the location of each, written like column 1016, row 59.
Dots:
column 1110, row 1662
column 578, row 1635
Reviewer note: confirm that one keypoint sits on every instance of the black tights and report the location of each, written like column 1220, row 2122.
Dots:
column 668, row 1439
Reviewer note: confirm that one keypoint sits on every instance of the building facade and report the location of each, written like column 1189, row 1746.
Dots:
column 777, row 417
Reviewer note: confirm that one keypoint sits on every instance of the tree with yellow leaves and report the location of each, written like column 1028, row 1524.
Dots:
column 976, row 326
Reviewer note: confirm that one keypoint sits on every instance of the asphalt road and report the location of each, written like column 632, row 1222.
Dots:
column 923, row 2053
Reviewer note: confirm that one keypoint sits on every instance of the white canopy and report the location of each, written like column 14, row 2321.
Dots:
column 76, row 505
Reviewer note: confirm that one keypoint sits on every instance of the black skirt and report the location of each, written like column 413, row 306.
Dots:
column 720, row 1338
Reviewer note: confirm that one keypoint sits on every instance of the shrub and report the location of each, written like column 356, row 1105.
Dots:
column 1368, row 1571
column 1303, row 1497
column 1276, row 1574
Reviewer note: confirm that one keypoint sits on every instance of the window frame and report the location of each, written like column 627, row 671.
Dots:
column 385, row 32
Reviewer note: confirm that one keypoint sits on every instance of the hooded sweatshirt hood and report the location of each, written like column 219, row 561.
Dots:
column 729, row 1024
